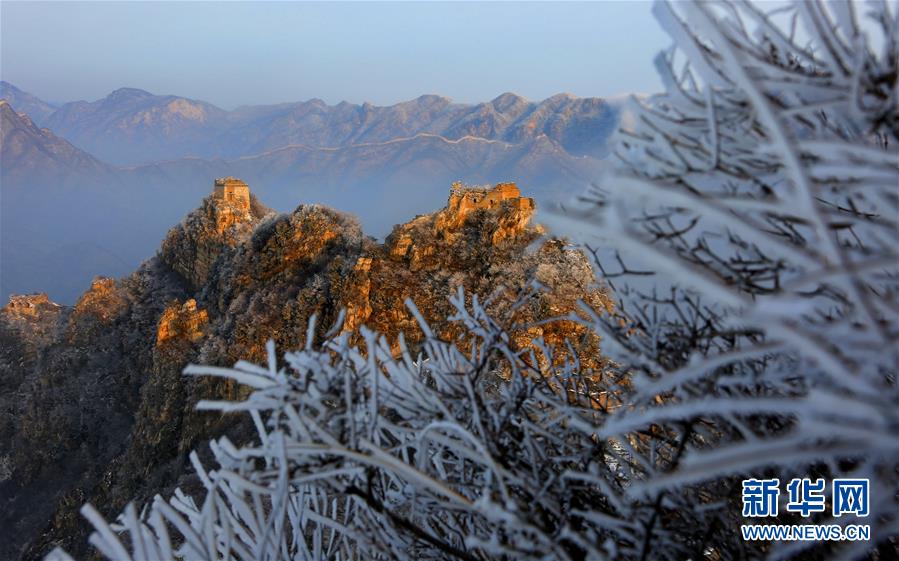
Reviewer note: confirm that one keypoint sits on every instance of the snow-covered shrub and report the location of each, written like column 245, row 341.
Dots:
column 749, row 231
column 362, row 455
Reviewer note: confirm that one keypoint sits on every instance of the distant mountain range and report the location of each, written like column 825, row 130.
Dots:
column 103, row 180
column 131, row 126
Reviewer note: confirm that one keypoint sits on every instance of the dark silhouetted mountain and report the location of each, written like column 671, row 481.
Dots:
column 36, row 108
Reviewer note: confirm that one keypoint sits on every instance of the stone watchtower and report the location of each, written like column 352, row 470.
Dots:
column 232, row 190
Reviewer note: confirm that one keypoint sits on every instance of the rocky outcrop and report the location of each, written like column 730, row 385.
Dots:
column 32, row 315
column 28, row 323
column 181, row 321
column 192, row 247
column 28, row 306
column 500, row 213
column 513, row 212
column 103, row 300
column 100, row 410
column 478, row 242
column 358, row 305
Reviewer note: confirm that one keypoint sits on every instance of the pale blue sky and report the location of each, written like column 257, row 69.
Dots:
column 249, row 53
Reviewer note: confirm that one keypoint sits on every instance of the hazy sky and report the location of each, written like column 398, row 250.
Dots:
column 247, row 53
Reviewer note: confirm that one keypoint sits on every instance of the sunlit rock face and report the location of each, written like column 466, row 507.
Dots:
column 103, row 300
column 106, row 415
column 500, row 213
column 479, row 242
column 27, row 324
column 513, row 211
column 29, row 306
column 183, row 321
column 358, row 306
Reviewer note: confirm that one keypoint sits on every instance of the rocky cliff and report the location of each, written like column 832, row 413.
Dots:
column 95, row 407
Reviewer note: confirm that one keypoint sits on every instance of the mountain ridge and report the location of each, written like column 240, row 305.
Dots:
column 131, row 126
column 107, row 415
column 29, row 150
column 37, row 108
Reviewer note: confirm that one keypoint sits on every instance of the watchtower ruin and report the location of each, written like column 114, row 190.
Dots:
column 232, row 190
column 466, row 198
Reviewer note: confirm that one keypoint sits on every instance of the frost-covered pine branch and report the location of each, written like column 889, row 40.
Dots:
column 749, row 231
column 460, row 452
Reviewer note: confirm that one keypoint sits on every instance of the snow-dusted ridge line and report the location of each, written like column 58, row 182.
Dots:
column 398, row 140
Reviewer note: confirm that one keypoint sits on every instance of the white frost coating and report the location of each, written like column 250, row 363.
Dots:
column 454, row 461
column 786, row 191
